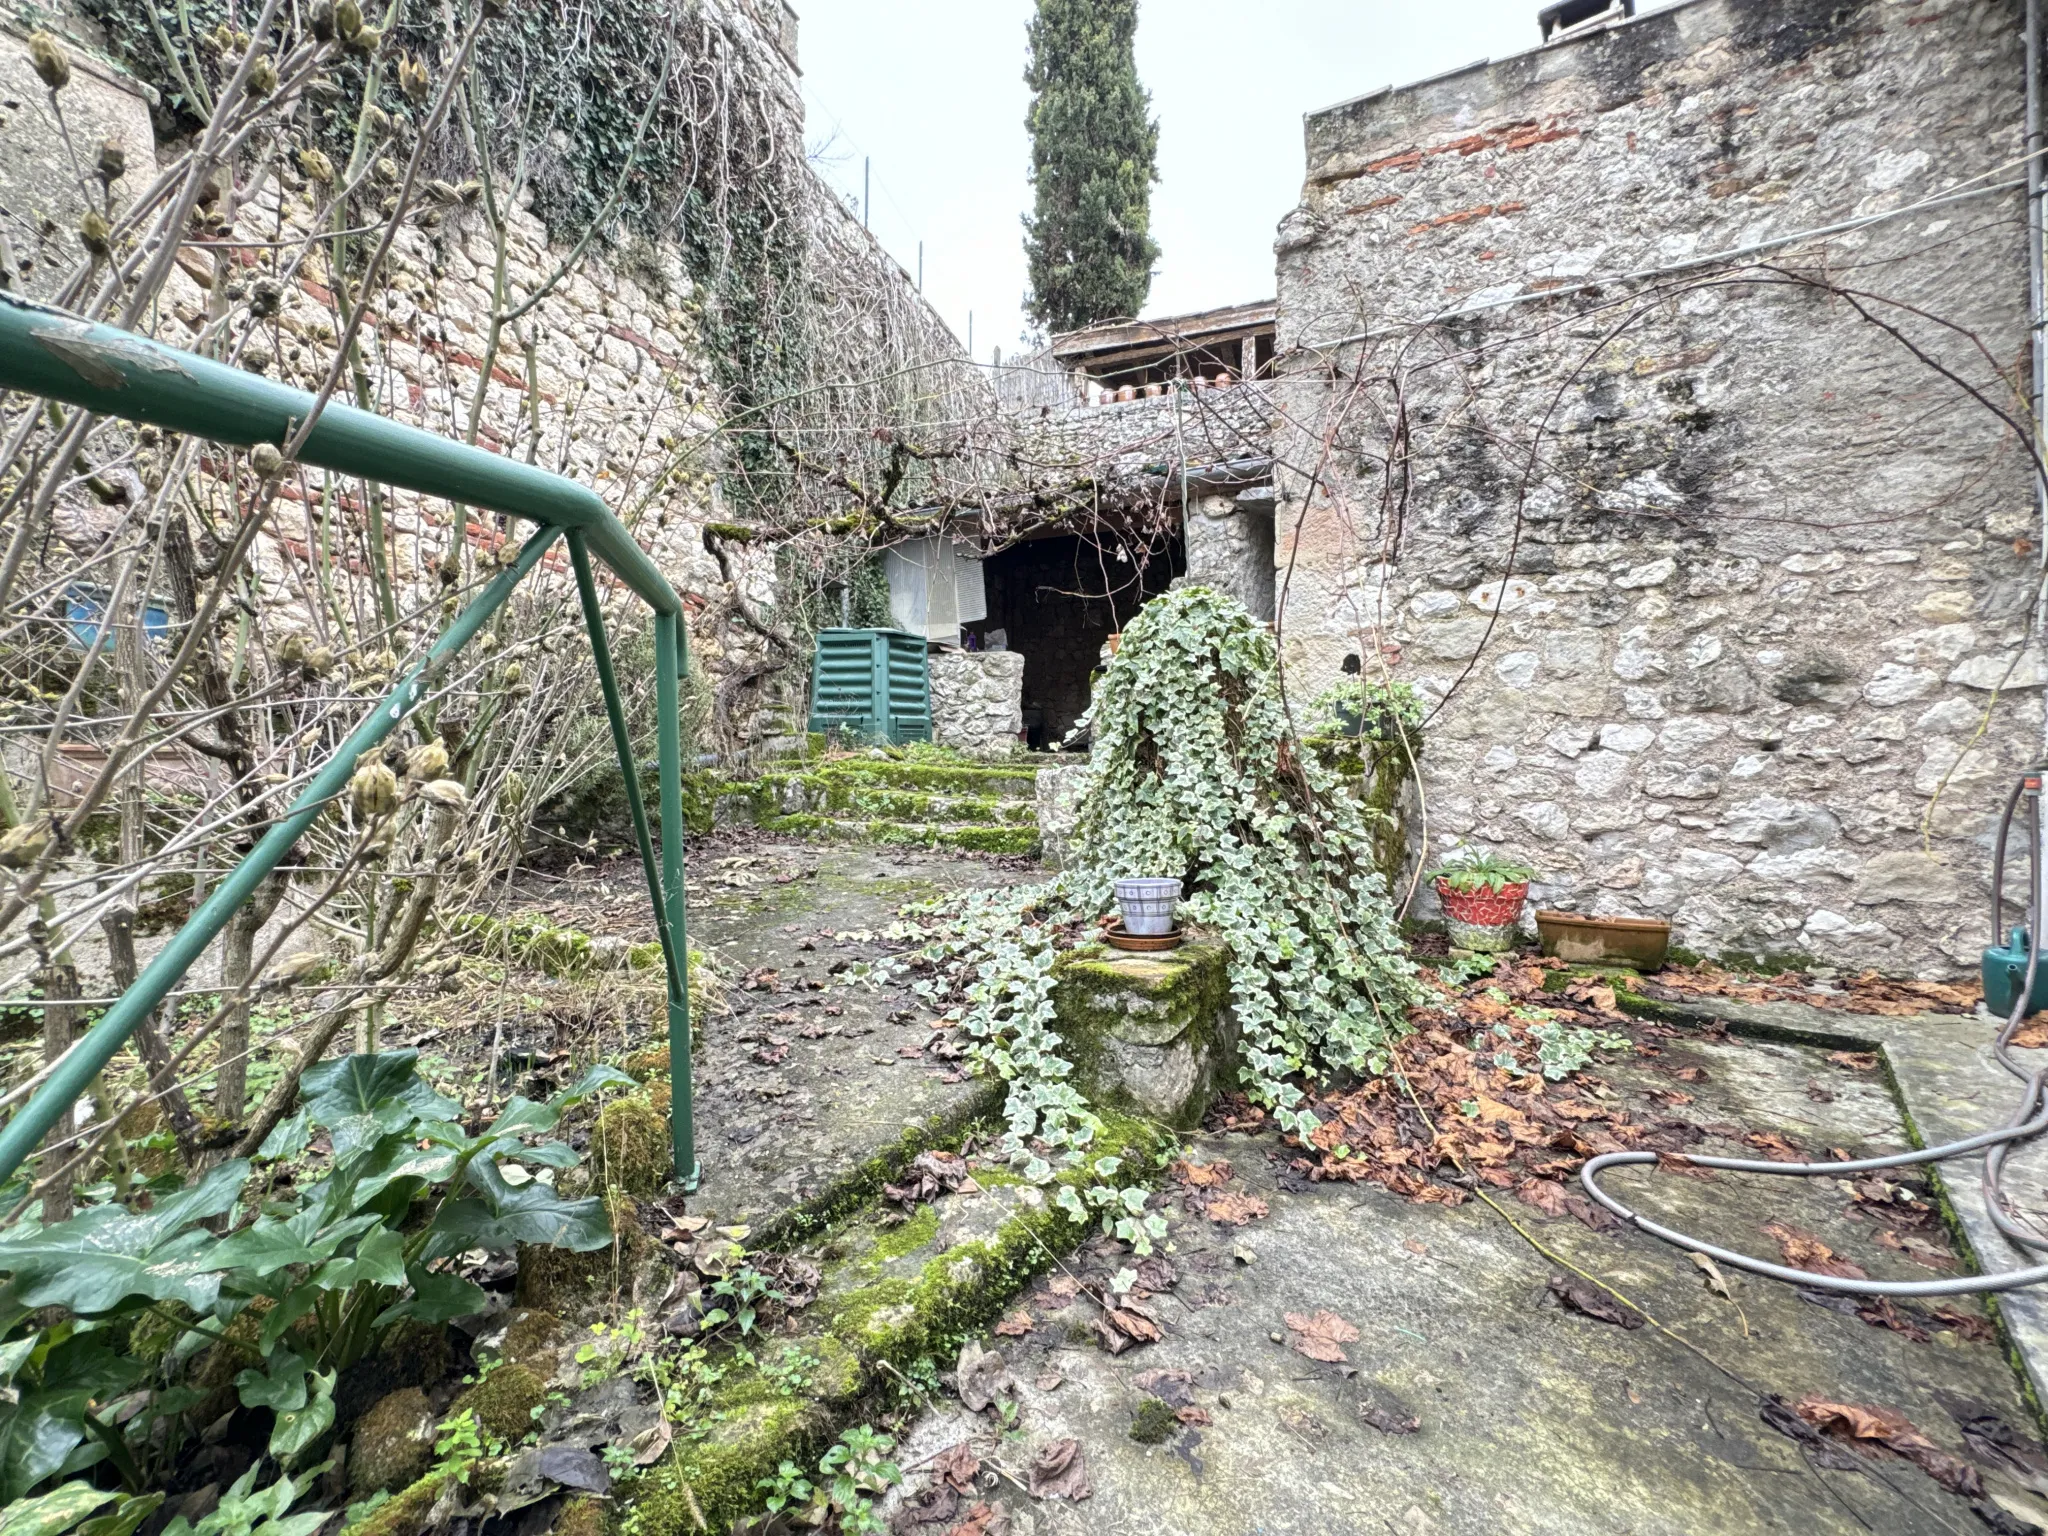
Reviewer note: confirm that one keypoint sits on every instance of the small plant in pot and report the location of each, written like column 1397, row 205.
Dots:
column 1482, row 895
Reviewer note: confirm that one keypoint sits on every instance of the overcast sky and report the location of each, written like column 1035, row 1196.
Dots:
column 932, row 93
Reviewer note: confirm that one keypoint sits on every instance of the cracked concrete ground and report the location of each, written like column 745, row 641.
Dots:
column 798, row 1085
column 1532, row 1417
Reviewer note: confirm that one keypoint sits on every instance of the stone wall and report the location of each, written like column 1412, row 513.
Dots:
column 1230, row 548
column 607, row 379
column 1727, row 591
column 977, row 701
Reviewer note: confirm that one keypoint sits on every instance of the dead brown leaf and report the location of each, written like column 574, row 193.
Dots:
column 1016, row 1324
column 1855, row 1061
column 1201, row 1175
column 1232, row 1209
column 959, row 1466
column 1578, row 1296
column 1059, row 1471
column 1320, row 1335
column 1547, row 1195
column 1802, row 1250
column 1895, row 1432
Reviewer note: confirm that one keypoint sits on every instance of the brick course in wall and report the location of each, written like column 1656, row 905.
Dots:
column 1729, row 593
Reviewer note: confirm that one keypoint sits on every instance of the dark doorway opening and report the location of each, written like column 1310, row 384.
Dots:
column 1058, row 600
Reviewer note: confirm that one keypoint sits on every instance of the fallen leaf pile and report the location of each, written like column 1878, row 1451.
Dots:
column 931, row 1174
column 1867, row 993
column 1513, row 1130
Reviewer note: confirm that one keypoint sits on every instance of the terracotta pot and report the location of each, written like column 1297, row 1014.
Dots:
column 1154, row 391
column 1641, row 943
column 1127, row 392
column 1483, row 908
column 1223, row 379
column 1114, row 641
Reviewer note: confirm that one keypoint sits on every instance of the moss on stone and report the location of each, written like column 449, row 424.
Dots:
column 906, row 1238
column 503, row 1401
column 582, row 1517
column 647, row 1064
column 1153, row 1423
column 404, row 1514
column 866, row 1334
column 393, row 1443
column 629, row 1147
column 530, row 1340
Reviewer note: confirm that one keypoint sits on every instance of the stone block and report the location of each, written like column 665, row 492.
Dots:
column 978, row 701
column 1059, row 807
column 1153, row 1035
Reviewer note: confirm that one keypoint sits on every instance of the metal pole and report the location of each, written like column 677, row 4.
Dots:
column 920, row 266
column 25, row 1131
column 622, row 743
column 668, row 673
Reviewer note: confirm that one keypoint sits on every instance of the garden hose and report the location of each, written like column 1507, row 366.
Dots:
column 2029, row 1120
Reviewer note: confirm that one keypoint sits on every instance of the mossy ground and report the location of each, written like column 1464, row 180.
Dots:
column 890, row 1296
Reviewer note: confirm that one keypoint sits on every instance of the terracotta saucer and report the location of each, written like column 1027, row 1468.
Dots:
column 1140, row 943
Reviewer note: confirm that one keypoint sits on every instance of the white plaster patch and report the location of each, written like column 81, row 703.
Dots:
column 1889, row 168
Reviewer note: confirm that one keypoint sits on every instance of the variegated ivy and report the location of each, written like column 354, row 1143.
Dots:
column 1195, row 775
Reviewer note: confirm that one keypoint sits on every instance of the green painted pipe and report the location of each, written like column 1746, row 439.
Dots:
column 680, row 1106
column 75, row 1072
column 668, row 677
column 46, row 352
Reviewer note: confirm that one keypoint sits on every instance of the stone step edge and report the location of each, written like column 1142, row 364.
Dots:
column 816, row 792
column 966, row 837
column 2021, row 1317
column 864, row 1343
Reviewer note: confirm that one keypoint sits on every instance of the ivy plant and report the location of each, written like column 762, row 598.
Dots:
column 1193, row 775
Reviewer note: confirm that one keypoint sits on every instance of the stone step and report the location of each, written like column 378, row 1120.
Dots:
column 896, row 1287
column 1011, row 779
column 878, row 798
column 969, row 837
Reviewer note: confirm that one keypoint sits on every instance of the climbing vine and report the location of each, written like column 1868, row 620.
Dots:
column 1196, row 777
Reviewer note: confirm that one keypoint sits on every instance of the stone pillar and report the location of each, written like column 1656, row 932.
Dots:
column 978, row 701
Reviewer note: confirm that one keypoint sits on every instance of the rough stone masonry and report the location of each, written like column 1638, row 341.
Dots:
column 1721, row 576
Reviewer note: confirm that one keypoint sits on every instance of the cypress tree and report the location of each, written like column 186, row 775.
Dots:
column 1093, row 148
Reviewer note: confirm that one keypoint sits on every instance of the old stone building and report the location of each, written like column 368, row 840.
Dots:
column 1655, row 402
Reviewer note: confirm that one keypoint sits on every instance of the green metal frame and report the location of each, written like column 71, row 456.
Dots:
column 96, row 368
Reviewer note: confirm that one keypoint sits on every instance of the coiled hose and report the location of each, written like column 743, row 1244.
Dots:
column 2028, row 1121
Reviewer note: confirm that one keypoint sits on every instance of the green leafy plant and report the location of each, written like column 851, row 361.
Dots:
column 322, row 1271
column 1469, row 869
column 850, row 1477
column 740, row 1291
column 1371, row 709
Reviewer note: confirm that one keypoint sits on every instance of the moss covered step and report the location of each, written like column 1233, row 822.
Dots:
column 912, row 834
column 1017, row 780
column 799, row 792
column 893, row 1302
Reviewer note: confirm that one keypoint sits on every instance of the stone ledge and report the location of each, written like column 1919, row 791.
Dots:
column 1152, row 1034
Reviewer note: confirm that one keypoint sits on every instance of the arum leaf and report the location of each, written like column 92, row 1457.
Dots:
column 54, row 1512
column 363, row 1097
column 123, row 1521
column 37, row 1436
column 436, row 1298
column 288, row 1138
column 282, row 1387
column 527, row 1213
column 109, row 1252
column 300, row 1427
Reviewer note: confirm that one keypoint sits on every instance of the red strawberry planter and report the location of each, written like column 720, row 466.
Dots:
column 1485, row 920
